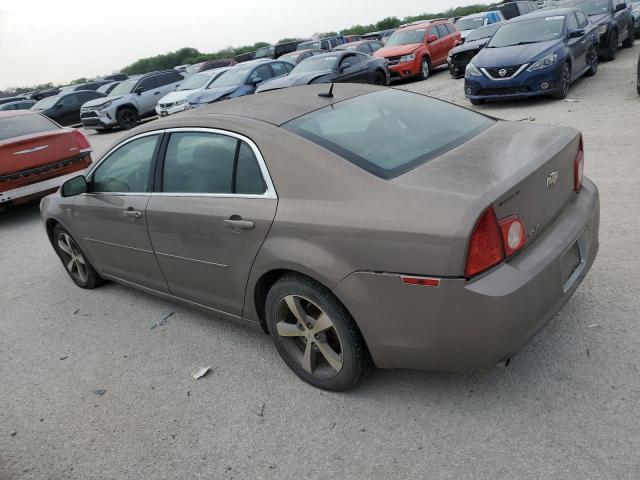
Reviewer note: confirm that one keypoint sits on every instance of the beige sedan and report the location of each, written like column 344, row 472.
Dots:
column 367, row 226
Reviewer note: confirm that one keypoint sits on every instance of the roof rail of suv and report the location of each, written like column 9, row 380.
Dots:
column 411, row 24
column 420, row 22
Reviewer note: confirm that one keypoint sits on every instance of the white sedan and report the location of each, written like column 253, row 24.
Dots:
column 176, row 101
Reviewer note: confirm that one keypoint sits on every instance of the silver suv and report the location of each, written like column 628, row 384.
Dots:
column 133, row 99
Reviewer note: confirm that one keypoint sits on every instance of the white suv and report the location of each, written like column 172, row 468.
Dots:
column 130, row 101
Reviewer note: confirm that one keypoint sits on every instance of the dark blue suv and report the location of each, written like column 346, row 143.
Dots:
column 541, row 53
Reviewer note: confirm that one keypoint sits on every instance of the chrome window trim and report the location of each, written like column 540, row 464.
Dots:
column 95, row 166
column 270, row 192
column 518, row 72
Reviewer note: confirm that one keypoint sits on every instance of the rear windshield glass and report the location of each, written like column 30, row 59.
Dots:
column 470, row 23
column 484, row 32
column 390, row 132
column 24, row 125
column 320, row 63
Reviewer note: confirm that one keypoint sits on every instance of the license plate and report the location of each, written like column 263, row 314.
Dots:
column 570, row 261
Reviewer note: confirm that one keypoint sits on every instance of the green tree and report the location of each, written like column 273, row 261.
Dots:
column 388, row 23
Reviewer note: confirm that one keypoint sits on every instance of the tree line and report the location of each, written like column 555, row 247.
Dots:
column 190, row 55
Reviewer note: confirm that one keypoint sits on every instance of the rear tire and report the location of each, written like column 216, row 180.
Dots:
column 127, row 118
column 380, row 79
column 75, row 262
column 425, row 69
column 612, row 48
column 630, row 41
column 328, row 351
column 565, row 83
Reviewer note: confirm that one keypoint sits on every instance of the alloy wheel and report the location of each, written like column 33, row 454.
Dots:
column 425, row 68
column 129, row 119
column 73, row 259
column 593, row 60
column 309, row 336
column 566, row 79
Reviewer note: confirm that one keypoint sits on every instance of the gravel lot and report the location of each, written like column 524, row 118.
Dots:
column 567, row 406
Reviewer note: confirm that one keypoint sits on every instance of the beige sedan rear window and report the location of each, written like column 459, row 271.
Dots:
column 390, row 132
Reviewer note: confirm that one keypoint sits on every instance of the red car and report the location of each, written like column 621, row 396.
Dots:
column 416, row 48
column 37, row 155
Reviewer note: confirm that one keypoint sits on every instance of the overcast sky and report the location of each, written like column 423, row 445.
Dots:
column 43, row 41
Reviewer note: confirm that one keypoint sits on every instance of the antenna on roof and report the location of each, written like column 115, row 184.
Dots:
column 328, row 94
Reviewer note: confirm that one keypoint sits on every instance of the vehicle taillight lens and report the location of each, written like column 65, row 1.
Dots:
column 578, row 168
column 81, row 140
column 513, row 234
column 485, row 246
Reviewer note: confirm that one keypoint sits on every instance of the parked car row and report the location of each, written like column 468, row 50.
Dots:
column 512, row 50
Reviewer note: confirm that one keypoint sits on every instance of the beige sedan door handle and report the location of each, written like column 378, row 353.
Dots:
column 132, row 214
column 236, row 222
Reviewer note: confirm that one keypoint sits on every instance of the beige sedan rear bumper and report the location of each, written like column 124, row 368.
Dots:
column 470, row 325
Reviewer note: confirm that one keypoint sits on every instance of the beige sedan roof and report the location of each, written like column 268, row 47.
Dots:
column 281, row 106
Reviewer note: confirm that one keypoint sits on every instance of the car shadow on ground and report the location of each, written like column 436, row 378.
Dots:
column 539, row 364
column 19, row 215
column 403, row 82
column 542, row 101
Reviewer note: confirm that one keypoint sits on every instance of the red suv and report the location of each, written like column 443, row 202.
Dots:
column 414, row 49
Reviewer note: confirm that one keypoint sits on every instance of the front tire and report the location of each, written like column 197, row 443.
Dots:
column 315, row 335
column 565, row 83
column 592, row 61
column 380, row 78
column 127, row 118
column 75, row 262
column 630, row 41
column 476, row 101
column 425, row 69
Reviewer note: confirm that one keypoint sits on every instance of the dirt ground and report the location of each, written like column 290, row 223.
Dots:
column 566, row 408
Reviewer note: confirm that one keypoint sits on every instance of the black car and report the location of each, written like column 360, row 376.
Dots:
column 333, row 67
column 65, row 108
column 84, row 86
column 12, row 99
column 614, row 21
column 40, row 94
column 18, row 105
column 460, row 56
column 115, row 77
column 511, row 10
column 276, row 51
column 362, row 46
column 300, row 55
column 245, row 57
